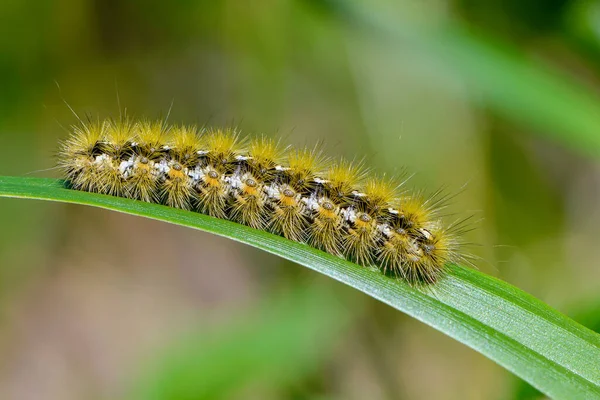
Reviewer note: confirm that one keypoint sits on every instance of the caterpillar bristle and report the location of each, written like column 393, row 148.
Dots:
column 411, row 214
column 303, row 166
column 288, row 218
column 149, row 138
column 342, row 178
column 119, row 134
column 212, row 192
column 77, row 155
column 362, row 238
column 378, row 194
column 115, row 147
column 325, row 232
column 222, row 146
column 142, row 181
column 335, row 206
column 184, row 142
column 264, row 154
column 248, row 201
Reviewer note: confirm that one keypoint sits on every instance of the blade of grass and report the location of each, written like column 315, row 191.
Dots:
column 552, row 352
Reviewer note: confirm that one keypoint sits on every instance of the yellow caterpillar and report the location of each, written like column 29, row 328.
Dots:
column 332, row 205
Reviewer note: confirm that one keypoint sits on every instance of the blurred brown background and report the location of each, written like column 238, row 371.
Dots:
column 498, row 95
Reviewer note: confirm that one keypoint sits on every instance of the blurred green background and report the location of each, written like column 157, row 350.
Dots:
column 499, row 95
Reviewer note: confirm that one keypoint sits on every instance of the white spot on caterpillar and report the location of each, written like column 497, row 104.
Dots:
column 349, row 214
column 125, row 167
column 311, row 202
column 426, row 233
column 101, row 159
column 237, row 181
column 385, row 229
column 196, row 174
column 163, row 167
column 273, row 191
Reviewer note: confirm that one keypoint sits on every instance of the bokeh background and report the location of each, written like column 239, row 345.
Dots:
column 500, row 96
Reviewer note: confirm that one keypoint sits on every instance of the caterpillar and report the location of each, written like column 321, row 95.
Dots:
column 334, row 205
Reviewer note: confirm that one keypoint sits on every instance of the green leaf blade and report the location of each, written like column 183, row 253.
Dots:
column 550, row 351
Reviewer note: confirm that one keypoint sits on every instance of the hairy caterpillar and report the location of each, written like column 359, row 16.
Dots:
column 332, row 205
